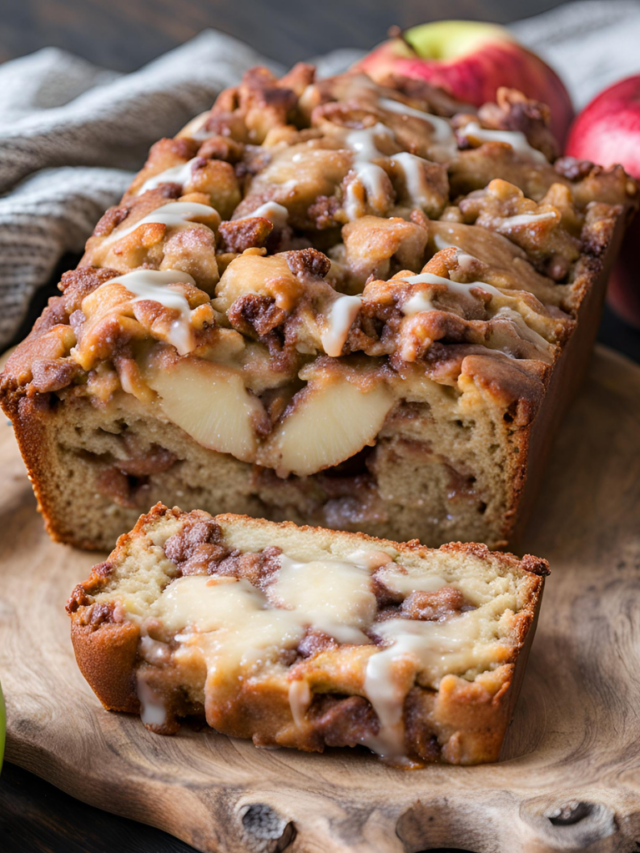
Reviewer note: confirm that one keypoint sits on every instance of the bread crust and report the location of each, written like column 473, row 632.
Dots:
column 106, row 657
column 567, row 376
column 471, row 717
column 92, row 345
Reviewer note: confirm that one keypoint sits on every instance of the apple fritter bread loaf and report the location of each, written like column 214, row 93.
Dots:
column 336, row 302
column 306, row 638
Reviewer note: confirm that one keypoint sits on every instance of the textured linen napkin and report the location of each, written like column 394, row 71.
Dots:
column 70, row 131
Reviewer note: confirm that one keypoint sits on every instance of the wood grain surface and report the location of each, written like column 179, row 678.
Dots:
column 569, row 779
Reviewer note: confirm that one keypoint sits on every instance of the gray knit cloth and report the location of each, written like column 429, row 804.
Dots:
column 71, row 134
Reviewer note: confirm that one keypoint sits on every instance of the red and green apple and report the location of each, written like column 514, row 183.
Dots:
column 471, row 60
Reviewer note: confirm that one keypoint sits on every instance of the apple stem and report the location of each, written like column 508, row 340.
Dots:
column 395, row 32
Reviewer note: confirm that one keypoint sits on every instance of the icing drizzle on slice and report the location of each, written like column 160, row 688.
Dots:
column 411, row 165
column 175, row 175
column 276, row 213
column 443, row 134
column 152, row 285
column 515, row 138
column 370, row 175
column 421, row 302
column 342, row 312
column 171, row 215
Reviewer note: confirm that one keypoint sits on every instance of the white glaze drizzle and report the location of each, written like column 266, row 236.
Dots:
column 154, row 651
column 171, row 215
column 429, row 644
column 300, row 697
column 175, row 175
column 373, row 559
column 421, row 301
column 442, row 130
column 417, row 187
column 529, row 218
column 363, row 142
column 342, row 312
column 241, row 631
column 403, row 580
column 153, row 711
column 455, row 645
column 152, row 285
column 335, row 596
column 370, row 175
column 441, row 243
column 515, row 138
column 525, row 330
column 418, row 304
column 276, row 213
column 465, row 260
column 237, row 627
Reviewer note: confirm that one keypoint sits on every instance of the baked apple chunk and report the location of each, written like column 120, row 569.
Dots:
column 209, row 402
column 336, row 415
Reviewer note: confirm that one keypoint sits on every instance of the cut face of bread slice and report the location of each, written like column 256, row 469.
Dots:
column 307, row 638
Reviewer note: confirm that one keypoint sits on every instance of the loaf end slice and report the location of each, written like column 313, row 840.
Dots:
column 309, row 638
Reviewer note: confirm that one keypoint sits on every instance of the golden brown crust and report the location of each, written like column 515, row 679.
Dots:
column 106, row 657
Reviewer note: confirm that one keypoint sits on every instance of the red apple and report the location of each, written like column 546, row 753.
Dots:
column 471, row 60
column 607, row 131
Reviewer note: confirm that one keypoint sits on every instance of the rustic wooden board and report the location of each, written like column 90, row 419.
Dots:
column 570, row 778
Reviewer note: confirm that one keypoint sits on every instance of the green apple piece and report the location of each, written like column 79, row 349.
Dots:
column 444, row 40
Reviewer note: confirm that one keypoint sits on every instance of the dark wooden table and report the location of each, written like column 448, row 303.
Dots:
column 125, row 34
column 35, row 817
